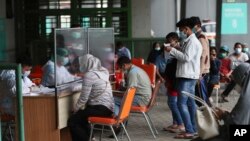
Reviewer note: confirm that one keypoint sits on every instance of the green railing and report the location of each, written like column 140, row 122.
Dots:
column 140, row 47
column 20, row 116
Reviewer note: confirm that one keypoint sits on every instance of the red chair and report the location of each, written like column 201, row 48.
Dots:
column 126, row 104
column 137, row 61
column 150, row 69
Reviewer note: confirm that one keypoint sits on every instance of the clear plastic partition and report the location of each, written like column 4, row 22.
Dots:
column 101, row 45
column 70, row 43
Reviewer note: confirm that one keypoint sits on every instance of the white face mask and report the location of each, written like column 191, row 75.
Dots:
column 238, row 50
column 26, row 73
column 157, row 48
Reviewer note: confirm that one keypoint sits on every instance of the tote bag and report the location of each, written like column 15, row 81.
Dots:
column 207, row 124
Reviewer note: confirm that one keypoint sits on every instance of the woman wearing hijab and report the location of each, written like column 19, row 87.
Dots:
column 96, row 98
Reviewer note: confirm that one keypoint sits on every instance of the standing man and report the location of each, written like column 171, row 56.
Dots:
column 204, row 61
column 187, row 73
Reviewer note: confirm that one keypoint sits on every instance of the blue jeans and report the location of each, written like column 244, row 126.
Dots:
column 118, row 101
column 172, row 103
column 186, row 104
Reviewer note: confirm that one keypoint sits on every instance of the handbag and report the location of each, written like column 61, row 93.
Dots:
column 207, row 124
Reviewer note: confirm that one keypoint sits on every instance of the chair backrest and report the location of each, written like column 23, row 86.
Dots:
column 154, row 94
column 126, row 104
column 150, row 69
column 137, row 61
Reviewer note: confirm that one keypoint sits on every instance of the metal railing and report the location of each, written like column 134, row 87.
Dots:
column 20, row 115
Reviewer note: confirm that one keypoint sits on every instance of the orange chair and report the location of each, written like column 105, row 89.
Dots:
column 120, row 119
column 137, row 61
column 144, row 110
column 150, row 69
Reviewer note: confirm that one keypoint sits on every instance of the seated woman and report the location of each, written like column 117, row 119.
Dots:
column 96, row 97
column 62, row 74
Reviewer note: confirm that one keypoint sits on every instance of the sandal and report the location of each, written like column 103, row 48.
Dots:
column 184, row 136
column 170, row 127
column 177, row 130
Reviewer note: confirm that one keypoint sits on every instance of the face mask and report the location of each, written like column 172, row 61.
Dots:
column 238, row 50
column 108, row 49
column 76, row 35
column 26, row 73
column 157, row 48
column 222, row 55
column 65, row 61
column 82, row 69
column 245, row 49
column 183, row 35
column 193, row 30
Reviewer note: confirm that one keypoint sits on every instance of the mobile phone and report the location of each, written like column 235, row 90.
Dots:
column 166, row 45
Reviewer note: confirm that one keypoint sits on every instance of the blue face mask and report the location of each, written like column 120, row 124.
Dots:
column 194, row 30
column 183, row 36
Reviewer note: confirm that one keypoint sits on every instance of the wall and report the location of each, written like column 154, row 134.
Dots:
column 205, row 9
column 163, row 17
column 9, row 50
column 141, row 18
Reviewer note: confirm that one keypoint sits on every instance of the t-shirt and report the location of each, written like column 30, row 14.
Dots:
column 139, row 79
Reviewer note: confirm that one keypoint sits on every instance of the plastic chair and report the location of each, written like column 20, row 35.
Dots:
column 115, row 121
column 137, row 61
column 144, row 110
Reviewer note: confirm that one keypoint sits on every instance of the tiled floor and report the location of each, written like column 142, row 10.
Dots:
column 160, row 114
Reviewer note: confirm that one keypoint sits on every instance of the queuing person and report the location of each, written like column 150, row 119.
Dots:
column 96, row 98
column 187, row 73
column 214, row 73
column 177, row 124
column 201, row 89
column 155, row 51
column 225, row 69
column 121, row 50
column 245, row 49
column 160, row 63
column 8, row 85
column 138, row 78
column 62, row 74
column 237, row 57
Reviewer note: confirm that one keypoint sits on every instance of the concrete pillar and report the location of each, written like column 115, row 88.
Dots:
column 141, row 18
